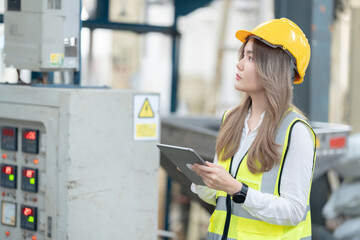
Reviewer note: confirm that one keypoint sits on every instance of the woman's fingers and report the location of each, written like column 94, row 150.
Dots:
column 207, row 169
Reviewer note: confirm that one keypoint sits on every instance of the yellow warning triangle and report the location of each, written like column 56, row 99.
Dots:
column 146, row 111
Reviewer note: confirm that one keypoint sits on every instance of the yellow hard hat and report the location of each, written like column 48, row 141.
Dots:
column 287, row 35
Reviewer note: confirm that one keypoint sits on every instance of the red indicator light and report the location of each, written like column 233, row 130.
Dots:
column 3, row 194
column 33, row 238
column 7, row 170
column 30, row 135
column 4, row 156
column 8, row 132
column 338, row 142
column 36, row 161
column 28, row 173
column 7, row 233
column 27, row 211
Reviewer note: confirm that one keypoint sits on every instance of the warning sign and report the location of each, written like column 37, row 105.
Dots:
column 146, row 117
column 145, row 130
column 56, row 59
column 146, row 111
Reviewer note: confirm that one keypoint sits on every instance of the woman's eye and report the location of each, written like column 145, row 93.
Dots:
column 251, row 59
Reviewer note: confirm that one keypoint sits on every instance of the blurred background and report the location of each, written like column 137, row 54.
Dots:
column 186, row 51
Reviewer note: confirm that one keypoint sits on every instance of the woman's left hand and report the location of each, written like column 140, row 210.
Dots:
column 216, row 177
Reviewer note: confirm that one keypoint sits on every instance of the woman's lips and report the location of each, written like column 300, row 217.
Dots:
column 238, row 77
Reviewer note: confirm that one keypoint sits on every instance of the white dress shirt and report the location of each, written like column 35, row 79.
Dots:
column 288, row 209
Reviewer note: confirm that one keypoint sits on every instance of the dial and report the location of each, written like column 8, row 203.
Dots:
column 8, row 213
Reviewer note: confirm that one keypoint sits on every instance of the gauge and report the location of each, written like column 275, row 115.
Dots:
column 8, row 213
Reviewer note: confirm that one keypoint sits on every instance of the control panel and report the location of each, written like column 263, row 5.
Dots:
column 22, row 161
column 74, row 163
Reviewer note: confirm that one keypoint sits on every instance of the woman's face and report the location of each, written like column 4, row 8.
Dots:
column 247, row 78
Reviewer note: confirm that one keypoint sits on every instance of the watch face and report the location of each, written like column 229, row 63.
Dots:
column 239, row 198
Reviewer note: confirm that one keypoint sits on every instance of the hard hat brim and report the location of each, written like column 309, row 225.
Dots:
column 298, row 80
column 242, row 35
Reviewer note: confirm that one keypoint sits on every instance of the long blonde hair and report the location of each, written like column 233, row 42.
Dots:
column 274, row 68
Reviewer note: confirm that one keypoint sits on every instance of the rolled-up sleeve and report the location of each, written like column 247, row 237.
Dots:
column 291, row 207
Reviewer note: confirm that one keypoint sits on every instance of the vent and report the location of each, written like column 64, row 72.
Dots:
column 70, row 51
column 71, row 48
column 54, row 4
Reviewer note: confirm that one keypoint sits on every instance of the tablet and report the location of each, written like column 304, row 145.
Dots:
column 183, row 158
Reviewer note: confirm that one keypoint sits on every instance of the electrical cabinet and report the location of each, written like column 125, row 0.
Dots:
column 42, row 35
column 74, row 166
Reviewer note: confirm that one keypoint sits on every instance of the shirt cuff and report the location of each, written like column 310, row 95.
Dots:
column 193, row 188
column 254, row 199
column 208, row 195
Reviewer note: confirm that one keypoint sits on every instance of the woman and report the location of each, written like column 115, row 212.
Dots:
column 261, row 177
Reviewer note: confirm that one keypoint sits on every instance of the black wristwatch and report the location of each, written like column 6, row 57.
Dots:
column 239, row 197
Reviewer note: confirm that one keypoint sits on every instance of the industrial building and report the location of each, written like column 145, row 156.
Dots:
column 88, row 88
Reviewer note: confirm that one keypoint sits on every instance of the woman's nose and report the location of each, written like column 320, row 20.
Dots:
column 239, row 65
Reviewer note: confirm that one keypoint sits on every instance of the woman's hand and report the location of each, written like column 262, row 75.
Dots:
column 216, row 177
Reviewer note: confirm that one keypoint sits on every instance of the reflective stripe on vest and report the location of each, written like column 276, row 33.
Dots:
column 214, row 236
column 240, row 212
column 243, row 225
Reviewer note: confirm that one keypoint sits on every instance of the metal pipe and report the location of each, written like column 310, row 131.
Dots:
column 138, row 28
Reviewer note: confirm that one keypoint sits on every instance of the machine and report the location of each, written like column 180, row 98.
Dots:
column 42, row 35
column 78, row 163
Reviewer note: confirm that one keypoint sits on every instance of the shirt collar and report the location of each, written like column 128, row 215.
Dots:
column 258, row 124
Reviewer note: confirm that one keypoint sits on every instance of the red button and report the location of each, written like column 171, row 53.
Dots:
column 3, row 194
column 7, row 233
column 4, row 156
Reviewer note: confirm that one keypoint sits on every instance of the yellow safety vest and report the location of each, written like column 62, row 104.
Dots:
column 230, row 221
